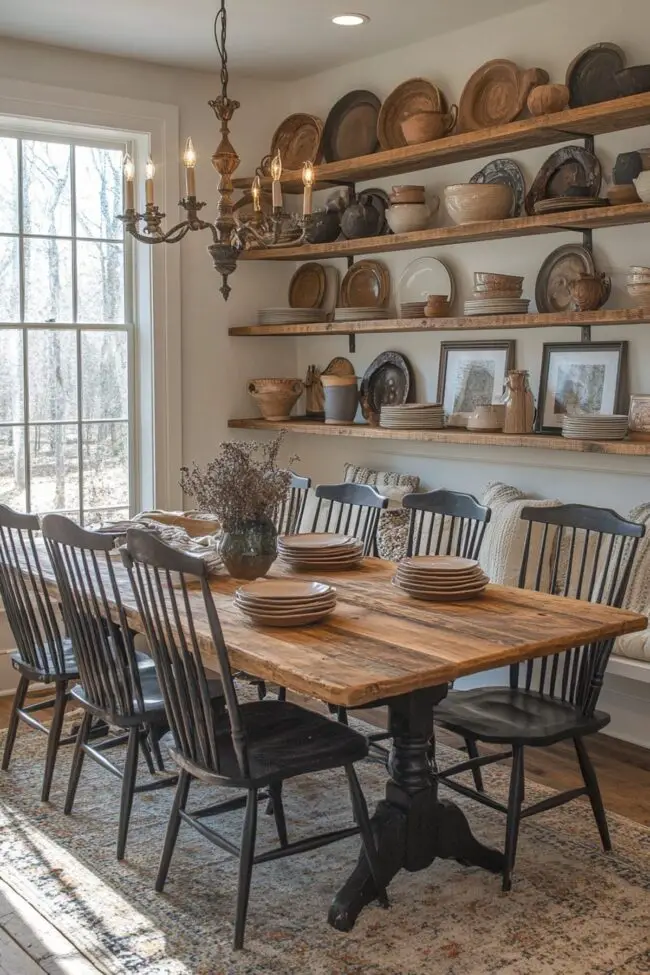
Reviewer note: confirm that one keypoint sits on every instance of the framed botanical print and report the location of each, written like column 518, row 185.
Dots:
column 473, row 374
column 579, row 378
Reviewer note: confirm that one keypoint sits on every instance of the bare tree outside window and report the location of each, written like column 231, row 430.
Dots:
column 65, row 330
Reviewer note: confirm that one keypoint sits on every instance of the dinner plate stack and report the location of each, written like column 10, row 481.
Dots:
column 558, row 204
column 412, row 309
column 412, row 416
column 289, row 316
column 284, row 602
column 320, row 551
column 595, row 427
column 440, row 578
column 360, row 314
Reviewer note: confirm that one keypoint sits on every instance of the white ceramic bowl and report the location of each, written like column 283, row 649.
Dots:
column 642, row 183
column 475, row 202
column 404, row 217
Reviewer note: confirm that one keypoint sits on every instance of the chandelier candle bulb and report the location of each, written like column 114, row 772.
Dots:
column 308, row 181
column 189, row 161
column 129, row 181
column 276, row 173
column 256, row 189
column 149, row 173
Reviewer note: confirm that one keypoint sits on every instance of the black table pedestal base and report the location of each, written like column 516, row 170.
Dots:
column 411, row 825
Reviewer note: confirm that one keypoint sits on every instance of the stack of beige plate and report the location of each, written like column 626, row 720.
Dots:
column 412, row 309
column 320, row 551
column 365, row 313
column 496, row 294
column 595, row 427
column 412, row 416
column 440, row 578
column 558, row 204
column 283, row 602
column 289, row 316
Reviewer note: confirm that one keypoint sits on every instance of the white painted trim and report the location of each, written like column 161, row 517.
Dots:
column 160, row 124
column 631, row 669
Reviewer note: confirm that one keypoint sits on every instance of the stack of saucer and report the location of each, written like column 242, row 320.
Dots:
column 558, row 204
column 412, row 309
column 595, row 427
column 289, row 316
column 359, row 314
column 496, row 294
column 320, row 551
column 440, row 578
column 283, row 602
column 412, row 416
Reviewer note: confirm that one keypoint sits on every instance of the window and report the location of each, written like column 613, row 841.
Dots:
column 66, row 329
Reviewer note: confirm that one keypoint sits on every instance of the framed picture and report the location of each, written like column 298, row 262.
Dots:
column 473, row 374
column 579, row 378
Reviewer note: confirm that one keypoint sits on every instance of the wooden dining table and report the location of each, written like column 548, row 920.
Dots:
column 380, row 646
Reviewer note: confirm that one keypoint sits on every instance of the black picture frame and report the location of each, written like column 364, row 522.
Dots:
column 618, row 403
column 478, row 345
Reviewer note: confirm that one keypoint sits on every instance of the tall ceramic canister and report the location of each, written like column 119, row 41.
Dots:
column 519, row 403
column 341, row 398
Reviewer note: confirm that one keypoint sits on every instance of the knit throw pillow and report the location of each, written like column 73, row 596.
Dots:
column 637, row 597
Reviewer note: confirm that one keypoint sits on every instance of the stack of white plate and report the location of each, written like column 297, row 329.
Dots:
column 359, row 314
column 496, row 306
column 283, row 602
column 289, row 316
column 440, row 578
column 412, row 416
column 595, row 427
column 320, row 551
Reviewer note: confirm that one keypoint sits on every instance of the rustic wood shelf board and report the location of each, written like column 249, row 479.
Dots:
column 617, row 316
column 629, row 448
column 547, row 223
column 613, row 116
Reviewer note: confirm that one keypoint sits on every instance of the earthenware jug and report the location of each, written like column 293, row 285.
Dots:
column 361, row 219
column 519, row 403
column 589, row 291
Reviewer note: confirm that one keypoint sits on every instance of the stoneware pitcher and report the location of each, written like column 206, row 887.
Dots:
column 519, row 403
column 589, row 291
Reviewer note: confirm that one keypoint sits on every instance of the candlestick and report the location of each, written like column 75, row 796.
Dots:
column 308, row 181
column 149, row 173
column 189, row 161
column 276, row 173
column 129, row 185
column 256, row 190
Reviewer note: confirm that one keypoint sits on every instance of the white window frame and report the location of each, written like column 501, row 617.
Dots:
column 151, row 128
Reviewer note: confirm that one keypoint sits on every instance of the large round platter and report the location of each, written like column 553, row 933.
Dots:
column 387, row 381
column 423, row 277
column 307, row 287
column 351, row 127
column 298, row 139
column 322, row 540
column 565, row 168
column 409, row 98
column 508, row 173
column 441, row 563
column 366, row 284
column 563, row 265
column 591, row 76
column 495, row 94
column 284, row 589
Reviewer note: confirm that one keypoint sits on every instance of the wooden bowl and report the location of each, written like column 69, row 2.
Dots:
column 478, row 202
column 623, row 194
column 489, row 280
column 547, row 99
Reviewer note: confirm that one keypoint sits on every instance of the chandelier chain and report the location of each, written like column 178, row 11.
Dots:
column 221, row 19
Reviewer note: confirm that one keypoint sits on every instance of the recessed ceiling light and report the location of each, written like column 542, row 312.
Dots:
column 350, row 20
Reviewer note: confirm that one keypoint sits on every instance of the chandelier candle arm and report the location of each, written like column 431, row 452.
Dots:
column 189, row 161
column 256, row 190
column 276, row 174
column 308, row 182
column 149, row 173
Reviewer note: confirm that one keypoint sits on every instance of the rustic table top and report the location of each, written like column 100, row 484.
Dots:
column 379, row 642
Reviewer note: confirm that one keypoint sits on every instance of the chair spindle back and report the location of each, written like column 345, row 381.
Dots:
column 352, row 509
column 289, row 513
column 445, row 523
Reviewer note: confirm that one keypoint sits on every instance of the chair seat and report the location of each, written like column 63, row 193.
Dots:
column 283, row 740
column 49, row 673
column 514, row 716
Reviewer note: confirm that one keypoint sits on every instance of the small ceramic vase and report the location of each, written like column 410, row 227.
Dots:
column 519, row 403
column 589, row 291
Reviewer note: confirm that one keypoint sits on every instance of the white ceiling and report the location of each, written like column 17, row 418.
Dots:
column 280, row 39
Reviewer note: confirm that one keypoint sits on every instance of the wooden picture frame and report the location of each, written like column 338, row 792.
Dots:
column 592, row 374
column 499, row 354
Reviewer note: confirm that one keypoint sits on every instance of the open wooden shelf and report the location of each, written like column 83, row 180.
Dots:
column 617, row 316
column 546, row 223
column 544, row 441
column 612, row 116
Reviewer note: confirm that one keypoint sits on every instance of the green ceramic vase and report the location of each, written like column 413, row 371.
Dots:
column 250, row 551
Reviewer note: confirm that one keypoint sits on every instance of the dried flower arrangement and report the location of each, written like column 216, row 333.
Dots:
column 243, row 484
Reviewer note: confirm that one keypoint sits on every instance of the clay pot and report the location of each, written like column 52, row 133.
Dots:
column 473, row 202
column 276, row 397
column 341, row 398
column 519, row 413
column 437, row 306
column 589, row 291
column 427, row 126
column 407, row 194
column 405, row 217
column 361, row 219
column 547, row 99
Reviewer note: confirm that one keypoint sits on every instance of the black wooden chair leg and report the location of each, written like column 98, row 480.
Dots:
column 245, row 867
column 362, row 819
column 515, row 799
column 477, row 774
column 146, row 753
column 77, row 761
column 128, row 784
column 154, row 740
column 342, row 715
column 277, row 807
column 54, row 738
column 595, row 798
column 12, row 728
column 178, row 806
column 282, row 694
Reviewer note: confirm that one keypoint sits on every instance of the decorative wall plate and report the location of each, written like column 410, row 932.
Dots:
column 299, row 139
column 388, row 381
column 505, row 171
column 495, row 94
column 563, row 265
column 409, row 98
column 423, row 277
column 591, row 76
column 565, row 169
column 307, row 287
column 351, row 127
column 367, row 284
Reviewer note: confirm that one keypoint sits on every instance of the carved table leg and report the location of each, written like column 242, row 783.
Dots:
column 411, row 825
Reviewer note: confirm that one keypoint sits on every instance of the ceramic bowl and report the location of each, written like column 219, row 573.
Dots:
column 634, row 80
column 488, row 280
column 276, row 397
column 404, row 217
column 486, row 418
column 642, row 185
column 407, row 194
column 625, row 193
column 458, row 420
column 475, row 202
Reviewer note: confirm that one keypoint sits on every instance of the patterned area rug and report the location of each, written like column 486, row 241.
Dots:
column 573, row 909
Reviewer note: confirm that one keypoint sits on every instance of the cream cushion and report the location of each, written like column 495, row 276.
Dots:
column 637, row 598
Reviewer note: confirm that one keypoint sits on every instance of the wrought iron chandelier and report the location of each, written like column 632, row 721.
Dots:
column 230, row 233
